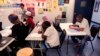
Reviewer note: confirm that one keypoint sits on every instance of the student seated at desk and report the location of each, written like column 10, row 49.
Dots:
column 19, row 30
column 29, row 20
column 50, row 35
column 80, row 25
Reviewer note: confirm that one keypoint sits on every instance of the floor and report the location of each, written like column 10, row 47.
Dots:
column 72, row 50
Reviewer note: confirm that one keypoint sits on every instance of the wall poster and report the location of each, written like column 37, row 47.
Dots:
column 60, row 2
column 66, row 1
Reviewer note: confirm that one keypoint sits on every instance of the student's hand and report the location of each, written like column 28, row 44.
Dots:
column 10, row 35
column 40, row 32
column 44, row 37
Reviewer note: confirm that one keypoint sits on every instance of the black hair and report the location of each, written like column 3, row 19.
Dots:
column 45, row 25
column 22, row 4
column 12, row 17
column 80, row 16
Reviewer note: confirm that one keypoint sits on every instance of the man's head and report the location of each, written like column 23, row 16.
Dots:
column 45, row 25
column 22, row 5
column 13, row 18
column 79, row 18
column 28, row 13
column 44, row 18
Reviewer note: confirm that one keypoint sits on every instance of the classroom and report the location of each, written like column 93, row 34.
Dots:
column 49, row 27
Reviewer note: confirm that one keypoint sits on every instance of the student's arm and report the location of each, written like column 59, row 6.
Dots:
column 76, row 27
column 84, row 24
column 79, row 29
column 73, row 26
column 46, row 34
column 44, row 37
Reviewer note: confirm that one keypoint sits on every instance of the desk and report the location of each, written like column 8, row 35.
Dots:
column 7, row 31
column 71, row 32
column 9, row 27
column 8, row 40
column 34, row 37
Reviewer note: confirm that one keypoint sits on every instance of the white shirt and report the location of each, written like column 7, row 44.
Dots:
column 52, row 36
column 84, row 24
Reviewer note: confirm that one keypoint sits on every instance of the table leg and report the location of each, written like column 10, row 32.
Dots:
column 9, row 50
column 41, row 50
column 31, row 44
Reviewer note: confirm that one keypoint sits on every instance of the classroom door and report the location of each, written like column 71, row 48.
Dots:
column 84, row 7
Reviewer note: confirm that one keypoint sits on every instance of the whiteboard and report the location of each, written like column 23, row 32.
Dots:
column 5, row 10
column 96, row 12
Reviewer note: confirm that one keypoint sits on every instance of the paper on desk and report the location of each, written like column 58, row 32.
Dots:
column 35, row 35
column 6, row 32
column 72, row 30
column 9, row 27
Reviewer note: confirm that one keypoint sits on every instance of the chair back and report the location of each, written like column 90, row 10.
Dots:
column 62, row 37
column 0, row 38
column 56, row 25
column 94, row 30
column 0, row 26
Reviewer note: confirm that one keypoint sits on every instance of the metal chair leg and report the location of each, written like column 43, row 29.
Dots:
column 46, row 51
column 58, row 52
column 67, row 44
column 92, row 45
column 92, row 48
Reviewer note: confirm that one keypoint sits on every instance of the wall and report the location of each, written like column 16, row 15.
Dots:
column 96, row 12
column 70, row 11
column 51, row 15
column 4, row 16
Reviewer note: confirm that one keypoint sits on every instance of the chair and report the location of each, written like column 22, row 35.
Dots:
column 25, row 52
column 94, row 30
column 98, row 35
column 62, row 38
column 1, row 26
column 56, row 24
